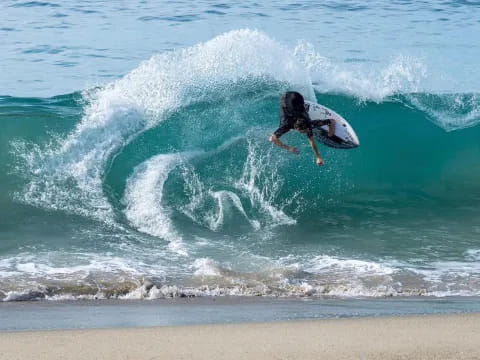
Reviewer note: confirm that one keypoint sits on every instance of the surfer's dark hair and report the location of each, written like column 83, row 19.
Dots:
column 294, row 101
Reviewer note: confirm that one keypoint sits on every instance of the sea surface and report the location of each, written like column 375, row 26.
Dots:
column 135, row 162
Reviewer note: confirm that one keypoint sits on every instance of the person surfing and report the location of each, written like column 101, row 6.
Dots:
column 294, row 116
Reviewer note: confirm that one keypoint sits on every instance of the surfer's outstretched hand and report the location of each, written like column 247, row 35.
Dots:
column 319, row 161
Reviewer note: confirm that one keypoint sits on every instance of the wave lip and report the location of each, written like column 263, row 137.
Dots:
column 449, row 111
column 402, row 76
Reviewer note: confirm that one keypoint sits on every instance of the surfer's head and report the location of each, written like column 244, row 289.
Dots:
column 295, row 102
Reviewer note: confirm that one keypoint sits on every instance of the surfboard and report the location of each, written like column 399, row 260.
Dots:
column 344, row 136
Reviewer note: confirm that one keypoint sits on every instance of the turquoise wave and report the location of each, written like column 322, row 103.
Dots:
column 402, row 145
column 167, row 175
column 405, row 157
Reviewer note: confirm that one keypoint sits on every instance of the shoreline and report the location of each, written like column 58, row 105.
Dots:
column 403, row 337
column 101, row 314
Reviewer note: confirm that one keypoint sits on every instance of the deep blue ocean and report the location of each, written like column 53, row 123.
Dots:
column 135, row 162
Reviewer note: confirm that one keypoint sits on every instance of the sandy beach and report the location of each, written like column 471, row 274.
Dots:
column 419, row 337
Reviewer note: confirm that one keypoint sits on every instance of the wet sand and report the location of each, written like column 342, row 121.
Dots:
column 417, row 337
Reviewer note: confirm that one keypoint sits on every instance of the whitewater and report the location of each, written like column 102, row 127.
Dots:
column 162, row 183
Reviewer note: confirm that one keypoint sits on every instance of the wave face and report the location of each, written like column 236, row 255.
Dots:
column 163, row 183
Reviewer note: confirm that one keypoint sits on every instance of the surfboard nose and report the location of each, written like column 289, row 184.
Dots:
column 354, row 140
column 351, row 139
column 350, row 144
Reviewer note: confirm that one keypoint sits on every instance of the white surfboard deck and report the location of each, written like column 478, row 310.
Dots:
column 344, row 136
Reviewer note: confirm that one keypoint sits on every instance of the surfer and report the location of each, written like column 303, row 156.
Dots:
column 293, row 115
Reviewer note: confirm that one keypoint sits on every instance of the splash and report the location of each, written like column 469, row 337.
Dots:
column 67, row 173
column 403, row 75
column 143, row 198
column 449, row 111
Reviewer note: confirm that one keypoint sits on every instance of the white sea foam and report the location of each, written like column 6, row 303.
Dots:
column 451, row 278
column 205, row 267
column 473, row 254
column 53, row 265
column 225, row 201
column 326, row 263
column 291, row 276
column 143, row 199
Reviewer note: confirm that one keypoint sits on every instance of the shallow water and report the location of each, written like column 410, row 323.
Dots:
column 27, row 316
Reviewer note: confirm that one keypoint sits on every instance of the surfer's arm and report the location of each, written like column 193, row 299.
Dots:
column 331, row 127
column 329, row 122
column 274, row 139
column 318, row 158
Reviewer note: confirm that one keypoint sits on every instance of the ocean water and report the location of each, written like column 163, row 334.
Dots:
column 134, row 161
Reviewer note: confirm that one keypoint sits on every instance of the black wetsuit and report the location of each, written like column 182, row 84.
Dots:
column 289, row 114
